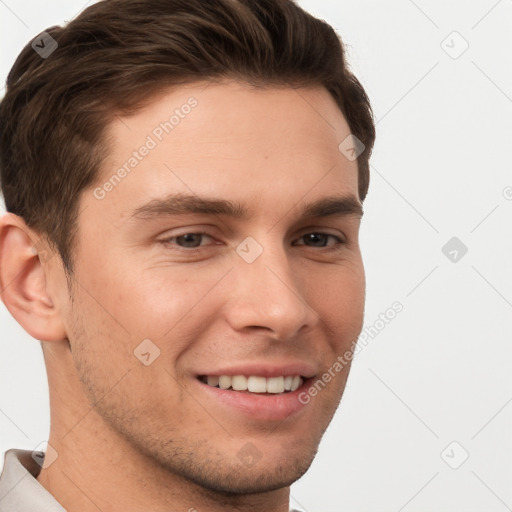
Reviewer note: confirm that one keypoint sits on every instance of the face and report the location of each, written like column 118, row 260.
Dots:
column 202, row 267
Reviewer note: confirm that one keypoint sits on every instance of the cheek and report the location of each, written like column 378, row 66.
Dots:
column 340, row 300
column 146, row 302
column 99, row 355
column 112, row 366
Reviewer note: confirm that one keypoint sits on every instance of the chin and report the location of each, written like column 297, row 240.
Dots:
column 233, row 480
column 229, row 471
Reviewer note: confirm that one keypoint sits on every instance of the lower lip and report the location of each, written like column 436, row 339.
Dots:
column 268, row 407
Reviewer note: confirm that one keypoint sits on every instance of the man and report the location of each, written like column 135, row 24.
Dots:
column 184, row 185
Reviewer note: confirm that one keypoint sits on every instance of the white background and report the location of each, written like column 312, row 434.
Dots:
column 440, row 371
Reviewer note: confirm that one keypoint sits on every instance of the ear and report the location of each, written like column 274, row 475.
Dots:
column 23, row 276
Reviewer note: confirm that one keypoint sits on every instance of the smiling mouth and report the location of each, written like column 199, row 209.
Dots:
column 254, row 383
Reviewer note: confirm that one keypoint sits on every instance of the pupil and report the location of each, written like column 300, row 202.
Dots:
column 312, row 237
column 188, row 237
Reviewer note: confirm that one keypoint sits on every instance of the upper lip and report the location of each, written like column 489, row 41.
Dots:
column 265, row 370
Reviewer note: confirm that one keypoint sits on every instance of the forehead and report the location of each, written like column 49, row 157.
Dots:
column 229, row 140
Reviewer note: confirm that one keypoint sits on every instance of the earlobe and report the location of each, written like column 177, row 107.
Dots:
column 23, row 280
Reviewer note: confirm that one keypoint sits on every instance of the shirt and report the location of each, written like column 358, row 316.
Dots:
column 19, row 489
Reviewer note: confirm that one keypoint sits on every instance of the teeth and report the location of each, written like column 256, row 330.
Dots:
column 296, row 382
column 275, row 385
column 255, row 384
column 239, row 383
column 212, row 380
column 225, row 381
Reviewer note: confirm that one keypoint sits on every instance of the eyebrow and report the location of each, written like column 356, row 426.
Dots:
column 182, row 204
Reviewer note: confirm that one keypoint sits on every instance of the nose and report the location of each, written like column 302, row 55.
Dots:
column 266, row 295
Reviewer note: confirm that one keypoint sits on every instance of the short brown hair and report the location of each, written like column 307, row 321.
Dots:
column 116, row 55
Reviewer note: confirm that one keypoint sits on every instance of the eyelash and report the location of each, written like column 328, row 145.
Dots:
column 168, row 241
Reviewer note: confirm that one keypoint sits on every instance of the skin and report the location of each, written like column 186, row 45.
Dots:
column 130, row 436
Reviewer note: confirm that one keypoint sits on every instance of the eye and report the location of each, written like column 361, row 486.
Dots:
column 187, row 240
column 193, row 240
column 319, row 239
